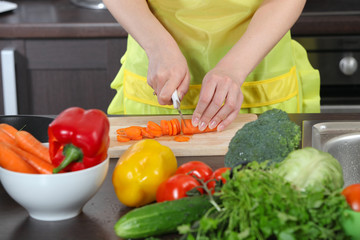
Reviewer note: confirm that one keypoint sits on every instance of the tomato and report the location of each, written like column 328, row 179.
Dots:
column 176, row 187
column 196, row 168
column 217, row 176
column 352, row 195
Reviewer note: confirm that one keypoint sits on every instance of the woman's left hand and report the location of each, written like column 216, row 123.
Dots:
column 219, row 101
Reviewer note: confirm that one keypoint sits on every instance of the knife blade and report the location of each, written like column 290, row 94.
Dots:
column 176, row 103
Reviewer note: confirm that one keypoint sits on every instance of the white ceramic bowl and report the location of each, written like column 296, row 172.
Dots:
column 57, row 196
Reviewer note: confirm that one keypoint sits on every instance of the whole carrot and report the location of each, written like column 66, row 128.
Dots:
column 29, row 143
column 12, row 161
column 39, row 164
column 8, row 129
column 189, row 129
column 4, row 137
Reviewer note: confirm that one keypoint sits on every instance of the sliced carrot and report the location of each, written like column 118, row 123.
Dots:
column 133, row 132
column 41, row 165
column 4, row 137
column 155, row 133
column 188, row 128
column 164, row 127
column 12, row 161
column 121, row 131
column 29, row 143
column 153, row 126
column 178, row 125
column 181, row 138
column 146, row 133
column 170, row 128
column 122, row 139
column 174, row 127
column 8, row 129
column 137, row 138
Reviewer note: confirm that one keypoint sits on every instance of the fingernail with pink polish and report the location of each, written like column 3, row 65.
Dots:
column 212, row 125
column 202, row 126
column 195, row 122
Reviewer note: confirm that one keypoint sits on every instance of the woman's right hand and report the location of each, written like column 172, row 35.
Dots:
column 168, row 68
column 168, row 71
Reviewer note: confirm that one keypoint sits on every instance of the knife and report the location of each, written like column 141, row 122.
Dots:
column 176, row 103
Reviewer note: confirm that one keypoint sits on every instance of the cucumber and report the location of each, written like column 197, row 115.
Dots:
column 161, row 218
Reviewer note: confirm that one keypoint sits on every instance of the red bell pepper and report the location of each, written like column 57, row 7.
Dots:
column 78, row 139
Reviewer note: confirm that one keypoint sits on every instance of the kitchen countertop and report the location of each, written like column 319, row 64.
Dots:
column 103, row 210
column 57, row 19
column 62, row 19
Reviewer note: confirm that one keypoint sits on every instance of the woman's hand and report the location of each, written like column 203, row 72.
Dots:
column 168, row 70
column 220, row 99
column 222, row 84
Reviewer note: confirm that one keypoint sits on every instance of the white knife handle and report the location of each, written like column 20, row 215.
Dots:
column 175, row 99
column 9, row 81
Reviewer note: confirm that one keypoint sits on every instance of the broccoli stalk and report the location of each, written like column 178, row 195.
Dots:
column 271, row 137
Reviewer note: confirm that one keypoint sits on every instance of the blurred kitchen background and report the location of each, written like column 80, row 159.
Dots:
column 58, row 53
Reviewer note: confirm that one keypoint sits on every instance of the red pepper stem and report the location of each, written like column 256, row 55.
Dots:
column 72, row 154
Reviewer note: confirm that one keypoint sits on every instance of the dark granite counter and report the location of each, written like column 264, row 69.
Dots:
column 57, row 19
column 103, row 210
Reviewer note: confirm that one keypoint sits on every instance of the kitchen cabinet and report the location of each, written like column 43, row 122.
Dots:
column 53, row 74
column 64, row 56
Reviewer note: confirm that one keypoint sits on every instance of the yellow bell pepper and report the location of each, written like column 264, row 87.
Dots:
column 140, row 170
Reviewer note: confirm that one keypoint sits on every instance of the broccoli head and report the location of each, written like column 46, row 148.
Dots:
column 271, row 137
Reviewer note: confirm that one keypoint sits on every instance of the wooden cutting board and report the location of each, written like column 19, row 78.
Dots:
column 204, row 144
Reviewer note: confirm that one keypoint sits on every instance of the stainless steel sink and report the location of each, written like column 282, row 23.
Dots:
column 346, row 149
column 339, row 138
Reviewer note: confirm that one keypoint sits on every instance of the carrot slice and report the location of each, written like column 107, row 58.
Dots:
column 12, row 161
column 170, row 128
column 153, row 126
column 174, row 127
column 155, row 133
column 121, row 131
column 120, row 138
column 29, row 143
column 188, row 128
column 181, row 138
column 137, row 138
column 178, row 125
column 164, row 127
column 146, row 133
column 133, row 132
